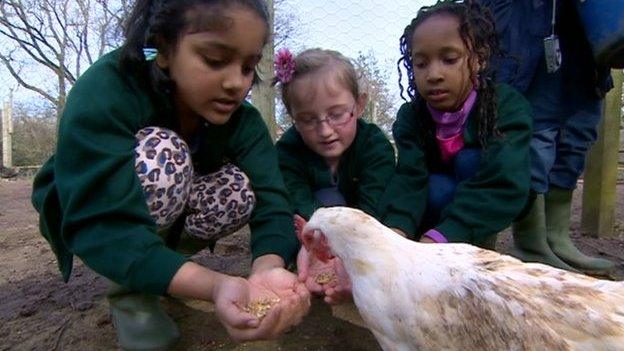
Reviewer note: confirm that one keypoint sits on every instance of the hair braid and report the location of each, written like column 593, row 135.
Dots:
column 481, row 34
column 406, row 61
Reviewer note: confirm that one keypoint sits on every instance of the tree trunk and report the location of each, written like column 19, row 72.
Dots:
column 263, row 94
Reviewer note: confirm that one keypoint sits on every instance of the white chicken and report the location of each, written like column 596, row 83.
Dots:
column 417, row 296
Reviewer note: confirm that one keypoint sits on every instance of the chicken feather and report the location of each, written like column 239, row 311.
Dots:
column 416, row 296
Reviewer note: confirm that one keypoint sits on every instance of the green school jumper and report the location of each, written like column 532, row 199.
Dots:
column 484, row 204
column 91, row 202
column 363, row 171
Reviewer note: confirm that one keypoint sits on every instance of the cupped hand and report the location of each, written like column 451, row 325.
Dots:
column 322, row 278
column 309, row 269
column 230, row 296
column 339, row 289
column 290, row 300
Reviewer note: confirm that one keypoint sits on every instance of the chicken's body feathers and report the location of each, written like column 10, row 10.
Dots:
column 417, row 296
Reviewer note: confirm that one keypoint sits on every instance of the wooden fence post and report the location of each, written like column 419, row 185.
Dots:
column 263, row 94
column 7, row 133
column 599, row 181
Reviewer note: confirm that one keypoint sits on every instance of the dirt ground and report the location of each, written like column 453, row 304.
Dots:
column 38, row 311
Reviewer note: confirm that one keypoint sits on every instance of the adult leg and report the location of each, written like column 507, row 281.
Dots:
column 529, row 230
column 577, row 136
column 529, row 236
column 164, row 167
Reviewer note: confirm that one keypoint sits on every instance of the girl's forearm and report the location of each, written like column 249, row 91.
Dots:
column 267, row 262
column 195, row 281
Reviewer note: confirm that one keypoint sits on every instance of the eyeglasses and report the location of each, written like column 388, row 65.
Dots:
column 334, row 119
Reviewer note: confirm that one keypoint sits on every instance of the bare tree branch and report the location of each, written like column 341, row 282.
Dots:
column 50, row 14
column 35, row 35
column 60, row 36
column 7, row 62
column 285, row 24
column 28, row 32
column 380, row 107
column 84, row 32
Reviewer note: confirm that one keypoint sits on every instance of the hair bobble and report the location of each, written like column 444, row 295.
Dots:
column 150, row 54
column 284, row 66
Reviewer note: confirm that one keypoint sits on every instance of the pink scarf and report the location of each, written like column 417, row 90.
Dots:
column 450, row 127
column 449, row 124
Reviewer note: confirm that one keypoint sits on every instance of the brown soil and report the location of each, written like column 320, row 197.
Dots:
column 38, row 311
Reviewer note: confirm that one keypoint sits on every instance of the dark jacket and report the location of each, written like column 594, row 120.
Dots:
column 363, row 171
column 522, row 26
column 482, row 205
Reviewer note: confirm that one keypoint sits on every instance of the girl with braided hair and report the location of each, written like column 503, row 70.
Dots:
column 158, row 156
column 463, row 142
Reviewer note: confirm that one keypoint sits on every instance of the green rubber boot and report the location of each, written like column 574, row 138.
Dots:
column 140, row 321
column 557, row 205
column 529, row 236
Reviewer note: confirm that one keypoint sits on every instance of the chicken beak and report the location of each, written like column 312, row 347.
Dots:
column 316, row 243
column 320, row 247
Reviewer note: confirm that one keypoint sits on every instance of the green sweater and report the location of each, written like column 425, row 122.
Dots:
column 363, row 171
column 483, row 204
column 90, row 199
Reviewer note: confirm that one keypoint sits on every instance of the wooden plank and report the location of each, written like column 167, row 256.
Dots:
column 599, row 192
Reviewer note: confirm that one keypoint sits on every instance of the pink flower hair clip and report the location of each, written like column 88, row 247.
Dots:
column 284, row 65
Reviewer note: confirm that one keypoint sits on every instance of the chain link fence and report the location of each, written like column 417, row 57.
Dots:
column 369, row 28
column 367, row 31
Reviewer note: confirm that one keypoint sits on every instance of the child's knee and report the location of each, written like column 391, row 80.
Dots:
column 441, row 190
column 216, row 204
column 163, row 165
column 467, row 163
column 220, row 203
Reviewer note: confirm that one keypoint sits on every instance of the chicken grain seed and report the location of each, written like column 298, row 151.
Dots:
column 260, row 308
column 324, row 277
